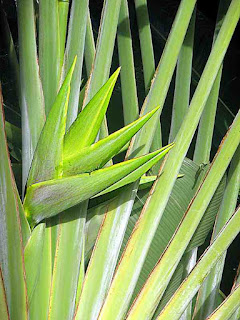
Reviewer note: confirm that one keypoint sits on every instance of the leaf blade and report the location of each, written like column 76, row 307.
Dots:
column 48, row 156
column 89, row 120
column 42, row 197
column 11, row 249
column 98, row 154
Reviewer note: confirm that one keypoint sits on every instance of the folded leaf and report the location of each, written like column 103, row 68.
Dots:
column 98, row 154
column 133, row 176
column 11, row 244
column 48, row 155
column 84, row 130
column 3, row 301
column 46, row 199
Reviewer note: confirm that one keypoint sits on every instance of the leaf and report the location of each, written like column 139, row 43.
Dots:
column 63, row 8
column 33, row 258
column 104, row 48
column 89, row 120
column 204, row 306
column 98, row 154
column 146, row 44
column 75, row 47
column 11, row 250
column 209, row 217
column 32, row 100
column 95, row 217
column 38, row 308
column 49, row 50
column 3, row 300
column 13, row 134
column 141, row 238
column 172, row 255
column 67, row 262
column 48, row 198
column 179, row 199
column 126, row 61
column 133, row 176
column 47, row 164
column 228, row 306
column 25, row 228
column 47, row 161
column 89, row 49
column 71, row 230
column 190, row 286
column 183, row 80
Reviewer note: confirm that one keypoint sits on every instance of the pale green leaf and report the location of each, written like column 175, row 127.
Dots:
column 84, row 130
column 75, row 47
column 48, row 198
column 49, row 50
column 31, row 95
column 98, row 154
column 3, row 300
column 33, row 258
column 47, row 161
column 190, row 286
column 11, row 249
column 39, row 304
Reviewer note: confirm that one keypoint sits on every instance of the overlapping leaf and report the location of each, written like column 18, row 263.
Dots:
column 48, row 198
column 47, row 164
column 98, row 154
column 48, row 156
column 89, row 120
column 11, row 249
column 44, row 186
column 33, row 258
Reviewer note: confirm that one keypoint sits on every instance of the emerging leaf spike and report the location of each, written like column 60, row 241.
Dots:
column 98, row 154
column 48, row 198
column 84, row 130
column 47, row 161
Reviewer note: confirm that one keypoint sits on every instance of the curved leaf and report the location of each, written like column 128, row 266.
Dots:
column 48, row 198
column 98, row 154
column 11, row 249
column 84, row 130
column 47, row 161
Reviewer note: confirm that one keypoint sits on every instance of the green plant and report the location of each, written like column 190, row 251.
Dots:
column 84, row 235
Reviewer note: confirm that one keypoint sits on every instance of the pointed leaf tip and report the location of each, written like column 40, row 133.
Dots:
column 70, row 72
column 97, row 155
column 48, row 198
column 84, row 129
column 54, row 131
